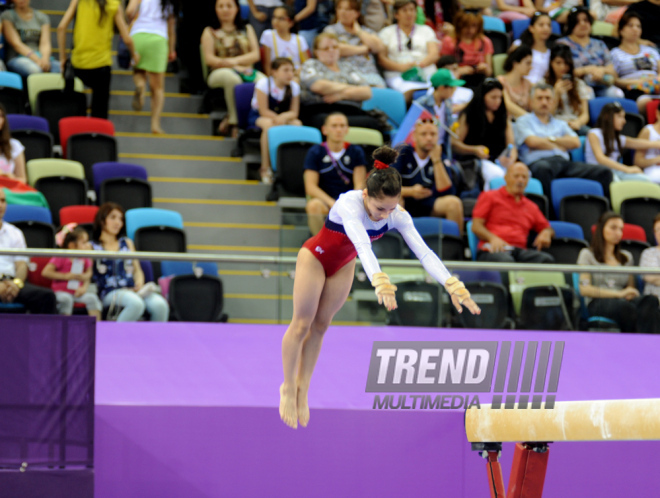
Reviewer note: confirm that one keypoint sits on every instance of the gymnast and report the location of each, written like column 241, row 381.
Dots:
column 326, row 266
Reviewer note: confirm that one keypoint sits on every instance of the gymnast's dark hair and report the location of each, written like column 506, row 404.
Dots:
column 384, row 182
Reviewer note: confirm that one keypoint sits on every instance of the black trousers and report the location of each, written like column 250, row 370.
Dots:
column 37, row 300
column 516, row 255
column 638, row 315
column 99, row 81
column 551, row 168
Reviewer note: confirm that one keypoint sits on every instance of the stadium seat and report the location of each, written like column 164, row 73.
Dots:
column 40, row 82
column 25, row 122
column 82, row 125
column 442, row 236
column 278, row 135
column 579, row 201
column 518, row 26
column 38, row 144
column 651, row 109
column 418, row 305
column 176, row 268
column 15, row 213
column 13, row 100
column 494, row 24
column 243, row 97
column 630, row 189
column 37, row 234
column 499, row 40
column 108, row 170
column 498, row 64
column 596, row 105
column 149, row 217
column 130, row 193
column 40, row 168
column 366, row 138
column 80, row 214
column 391, row 102
column 493, row 299
column 11, row 80
column 196, row 299
column 533, row 185
column 58, row 104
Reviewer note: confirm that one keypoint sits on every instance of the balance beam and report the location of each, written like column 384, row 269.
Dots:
column 609, row 420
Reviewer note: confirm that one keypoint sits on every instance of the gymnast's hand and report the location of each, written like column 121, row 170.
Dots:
column 384, row 290
column 460, row 296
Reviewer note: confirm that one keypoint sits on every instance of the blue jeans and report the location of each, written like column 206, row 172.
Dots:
column 134, row 306
column 309, row 35
column 26, row 66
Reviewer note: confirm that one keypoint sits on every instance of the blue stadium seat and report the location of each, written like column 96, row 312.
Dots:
column 564, row 187
column 533, row 186
column 278, row 135
column 148, row 217
column 186, row 268
column 473, row 240
column 11, row 80
column 567, row 229
column 520, row 25
column 494, row 24
column 391, row 102
column 430, row 225
column 596, row 105
column 17, row 212
column 25, row 122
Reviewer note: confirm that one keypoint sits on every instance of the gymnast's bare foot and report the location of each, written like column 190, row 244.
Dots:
column 303, row 407
column 288, row 411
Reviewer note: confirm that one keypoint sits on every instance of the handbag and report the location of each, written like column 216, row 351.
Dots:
column 123, row 55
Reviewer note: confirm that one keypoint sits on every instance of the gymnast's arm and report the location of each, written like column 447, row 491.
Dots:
column 430, row 261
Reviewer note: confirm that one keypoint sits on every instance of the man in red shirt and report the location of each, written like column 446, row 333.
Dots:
column 503, row 218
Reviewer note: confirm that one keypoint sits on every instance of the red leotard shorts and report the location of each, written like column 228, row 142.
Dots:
column 332, row 247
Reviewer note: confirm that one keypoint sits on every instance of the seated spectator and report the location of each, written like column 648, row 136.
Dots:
column 471, row 47
column 14, row 271
column 543, row 144
column 281, row 42
column 485, row 126
column 503, row 218
column 608, row 10
column 357, row 44
column 636, row 65
column 649, row 12
column 71, row 276
column 12, row 156
column 649, row 159
column 411, row 51
column 513, row 10
column 572, row 94
column 559, row 10
column 27, row 32
column 230, row 52
column 440, row 105
column 537, row 37
column 614, row 295
column 427, row 186
column 326, row 82
column 592, row 58
column 276, row 101
column 516, row 87
column 651, row 259
column 332, row 168
column 461, row 96
column 605, row 144
column 119, row 281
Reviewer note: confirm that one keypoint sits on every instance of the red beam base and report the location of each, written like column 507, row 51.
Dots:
column 530, row 462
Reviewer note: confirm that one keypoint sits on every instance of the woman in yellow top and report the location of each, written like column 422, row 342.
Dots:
column 92, row 43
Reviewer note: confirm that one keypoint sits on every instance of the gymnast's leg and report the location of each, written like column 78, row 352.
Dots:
column 307, row 289
column 335, row 293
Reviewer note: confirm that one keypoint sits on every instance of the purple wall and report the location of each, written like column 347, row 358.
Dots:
column 191, row 410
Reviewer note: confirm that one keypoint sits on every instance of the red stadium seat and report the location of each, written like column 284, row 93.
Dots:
column 630, row 232
column 78, row 214
column 76, row 125
column 651, row 108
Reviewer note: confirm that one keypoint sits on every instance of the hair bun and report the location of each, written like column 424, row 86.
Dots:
column 380, row 164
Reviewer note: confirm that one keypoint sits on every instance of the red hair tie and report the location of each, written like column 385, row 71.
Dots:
column 380, row 164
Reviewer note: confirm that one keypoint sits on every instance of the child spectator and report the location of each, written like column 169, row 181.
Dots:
column 605, row 143
column 281, row 42
column 276, row 101
column 71, row 276
column 649, row 159
column 471, row 47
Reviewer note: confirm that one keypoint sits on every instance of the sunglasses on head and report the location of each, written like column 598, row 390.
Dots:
column 422, row 121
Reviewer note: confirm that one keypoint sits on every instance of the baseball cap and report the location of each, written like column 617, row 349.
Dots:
column 443, row 77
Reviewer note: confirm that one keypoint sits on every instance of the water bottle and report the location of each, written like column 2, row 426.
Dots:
column 505, row 153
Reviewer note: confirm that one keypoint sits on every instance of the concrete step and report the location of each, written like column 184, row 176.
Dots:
column 174, row 123
column 190, row 166
column 236, row 237
column 122, row 79
column 221, row 211
column 122, row 100
column 210, row 189
column 202, row 145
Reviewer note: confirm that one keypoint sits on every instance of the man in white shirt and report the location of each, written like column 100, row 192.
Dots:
column 14, row 270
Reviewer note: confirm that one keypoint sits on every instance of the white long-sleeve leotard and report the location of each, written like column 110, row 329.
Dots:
column 349, row 212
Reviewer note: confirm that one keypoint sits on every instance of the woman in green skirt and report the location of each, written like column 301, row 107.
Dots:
column 153, row 33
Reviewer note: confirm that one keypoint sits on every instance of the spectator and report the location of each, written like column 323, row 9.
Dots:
column 328, row 83
column 503, row 219
column 461, row 96
column 537, row 37
column 614, row 295
column 357, row 44
column 609, row 10
column 261, row 14
column 571, row 94
column 309, row 18
column 332, row 168
column 559, row 10
column 471, row 47
column 592, row 59
column 120, row 281
column 71, row 276
column 543, row 144
column 154, row 36
column 485, row 125
column 281, row 42
column 230, row 52
column 376, row 13
column 605, row 144
column 649, row 12
column 636, row 65
column 27, row 32
column 411, row 51
column 12, row 155
column 516, row 87
column 440, row 14
column 651, row 259
column 513, row 10
column 276, row 101
column 649, row 160
column 14, row 270
column 92, row 46
column 427, row 186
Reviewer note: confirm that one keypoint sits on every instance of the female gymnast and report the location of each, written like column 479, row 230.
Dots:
column 326, row 266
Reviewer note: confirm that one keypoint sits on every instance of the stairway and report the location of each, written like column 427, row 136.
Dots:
column 192, row 172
